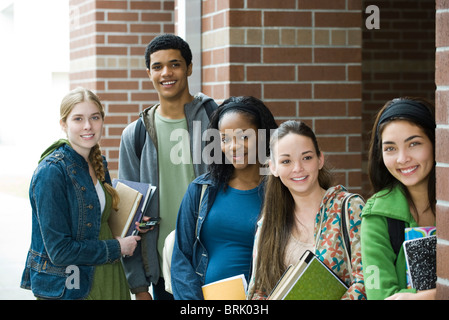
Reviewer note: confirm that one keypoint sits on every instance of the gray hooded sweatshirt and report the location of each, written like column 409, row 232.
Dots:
column 142, row 268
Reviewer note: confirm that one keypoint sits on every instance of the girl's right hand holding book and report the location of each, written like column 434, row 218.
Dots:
column 128, row 245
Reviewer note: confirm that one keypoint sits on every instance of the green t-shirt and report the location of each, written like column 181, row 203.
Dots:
column 175, row 171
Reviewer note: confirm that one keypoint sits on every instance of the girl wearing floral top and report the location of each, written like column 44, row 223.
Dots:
column 302, row 212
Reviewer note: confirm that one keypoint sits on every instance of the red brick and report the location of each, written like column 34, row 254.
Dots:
column 442, row 111
column 442, row 178
column 123, row 16
column 322, row 108
column 111, row 27
column 146, row 5
column 287, row 55
column 244, row 55
column 270, row 73
column 157, row 16
column 332, row 144
column 105, row 73
column 123, row 5
column 442, row 291
column 144, row 96
column 244, row 18
column 442, row 254
column 123, row 39
column 110, row 51
column 337, row 126
column 282, row 108
column 338, row 91
column 322, row 4
column 442, row 69
column 288, row 91
column 245, row 89
column 321, row 73
column 287, row 18
column 123, row 85
column 338, row 55
column 110, row 96
column 344, row 161
column 123, row 108
column 442, row 220
column 115, row 119
column 270, row 4
column 442, row 139
column 338, row 19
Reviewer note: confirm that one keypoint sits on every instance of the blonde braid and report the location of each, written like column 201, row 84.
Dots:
column 97, row 163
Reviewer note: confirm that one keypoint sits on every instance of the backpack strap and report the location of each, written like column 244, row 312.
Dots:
column 210, row 106
column 396, row 232
column 345, row 223
column 346, row 226
column 140, row 134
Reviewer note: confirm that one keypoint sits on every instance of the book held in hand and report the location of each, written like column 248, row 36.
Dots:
column 134, row 200
column 233, row 288
column 420, row 256
column 309, row 279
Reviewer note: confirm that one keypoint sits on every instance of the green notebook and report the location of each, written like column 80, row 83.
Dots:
column 309, row 279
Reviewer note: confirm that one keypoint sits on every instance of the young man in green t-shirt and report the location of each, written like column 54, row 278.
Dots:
column 169, row 64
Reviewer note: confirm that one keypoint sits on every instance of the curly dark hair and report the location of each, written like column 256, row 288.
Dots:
column 166, row 42
column 258, row 113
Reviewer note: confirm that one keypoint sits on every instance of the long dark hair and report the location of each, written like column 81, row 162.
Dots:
column 259, row 115
column 379, row 175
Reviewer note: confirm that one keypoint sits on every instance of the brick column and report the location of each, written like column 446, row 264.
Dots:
column 302, row 58
column 107, row 46
column 442, row 142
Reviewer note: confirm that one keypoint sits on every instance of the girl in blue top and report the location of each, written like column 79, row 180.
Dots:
column 217, row 242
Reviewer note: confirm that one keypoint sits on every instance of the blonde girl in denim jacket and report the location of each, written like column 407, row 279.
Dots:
column 73, row 254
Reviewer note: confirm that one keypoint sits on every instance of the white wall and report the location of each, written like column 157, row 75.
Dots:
column 34, row 64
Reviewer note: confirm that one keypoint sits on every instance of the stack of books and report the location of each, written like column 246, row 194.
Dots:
column 309, row 279
column 135, row 198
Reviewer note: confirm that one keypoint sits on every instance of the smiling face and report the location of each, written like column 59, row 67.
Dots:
column 169, row 72
column 238, row 140
column 295, row 161
column 407, row 153
column 83, row 127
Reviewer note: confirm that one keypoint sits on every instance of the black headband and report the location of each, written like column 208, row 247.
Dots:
column 407, row 109
column 232, row 106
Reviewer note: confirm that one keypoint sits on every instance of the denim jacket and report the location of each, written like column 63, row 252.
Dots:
column 66, row 221
column 190, row 257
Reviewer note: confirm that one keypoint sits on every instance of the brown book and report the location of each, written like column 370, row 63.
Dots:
column 120, row 220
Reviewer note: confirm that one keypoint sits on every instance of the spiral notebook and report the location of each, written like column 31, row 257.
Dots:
column 420, row 255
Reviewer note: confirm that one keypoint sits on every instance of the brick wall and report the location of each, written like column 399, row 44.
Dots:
column 398, row 59
column 442, row 137
column 108, row 41
column 302, row 58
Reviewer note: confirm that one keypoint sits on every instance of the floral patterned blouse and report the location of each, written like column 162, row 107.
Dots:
column 330, row 244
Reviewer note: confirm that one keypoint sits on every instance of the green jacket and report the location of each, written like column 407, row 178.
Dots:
column 384, row 274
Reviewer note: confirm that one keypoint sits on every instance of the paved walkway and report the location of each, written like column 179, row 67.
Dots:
column 15, row 233
column 16, row 168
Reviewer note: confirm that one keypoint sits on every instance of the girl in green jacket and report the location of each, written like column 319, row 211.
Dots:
column 402, row 173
